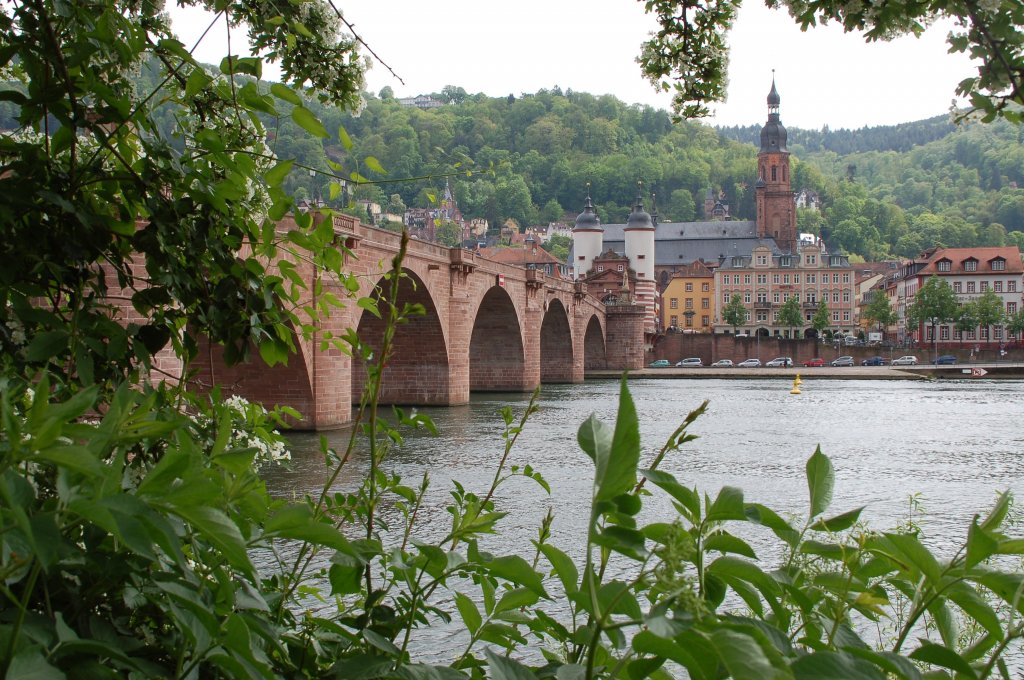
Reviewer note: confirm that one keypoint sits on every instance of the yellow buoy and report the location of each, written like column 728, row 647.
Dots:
column 796, row 385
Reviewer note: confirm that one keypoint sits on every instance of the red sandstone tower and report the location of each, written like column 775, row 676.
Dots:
column 776, row 208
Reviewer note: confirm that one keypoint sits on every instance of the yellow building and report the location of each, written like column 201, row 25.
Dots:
column 688, row 301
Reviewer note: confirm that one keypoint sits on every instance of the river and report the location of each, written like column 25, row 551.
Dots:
column 952, row 445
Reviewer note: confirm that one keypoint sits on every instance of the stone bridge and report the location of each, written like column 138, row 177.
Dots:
column 487, row 326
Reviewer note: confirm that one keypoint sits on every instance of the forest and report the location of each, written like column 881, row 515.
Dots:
column 885, row 192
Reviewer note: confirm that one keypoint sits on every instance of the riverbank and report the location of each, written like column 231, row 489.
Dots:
column 1014, row 371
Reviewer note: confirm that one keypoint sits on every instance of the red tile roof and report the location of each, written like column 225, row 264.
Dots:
column 983, row 256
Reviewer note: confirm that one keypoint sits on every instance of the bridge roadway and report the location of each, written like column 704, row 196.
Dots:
column 488, row 326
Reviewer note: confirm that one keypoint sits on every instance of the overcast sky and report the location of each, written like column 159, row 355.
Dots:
column 825, row 77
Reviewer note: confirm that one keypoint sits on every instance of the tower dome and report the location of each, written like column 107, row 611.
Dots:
column 773, row 134
column 639, row 218
column 588, row 219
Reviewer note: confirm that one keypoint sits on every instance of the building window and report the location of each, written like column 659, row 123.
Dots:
column 944, row 333
column 1011, row 307
column 958, row 287
column 930, row 335
column 984, row 286
column 762, row 317
column 812, row 296
column 689, row 320
column 705, row 321
column 762, row 296
column 725, row 297
column 970, row 286
column 811, row 278
column 746, row 279
column 762, row 260
column 998, row 264
column 581, row 258
column 835, row 297
column 689, row 303
column 600, row 267
column 674, row 320
column 970, row 335
column 705, row 303
column 762, row 279
column 619, row 268
column 785, row 278
column 689, row 288
column 846, row 296
column 835, row 317
column 673, row 303
column 944, row 265
column 775, row 298
column 846, row 278
column 640, row 257
column 984, row 333
column 774, row 173
column 705, row 287
column 970, row 265
column 997, row 333
column 775, row 278
column 1011, row 286
column 846, row 317
column 835, row 278
column 746, row 297
column 796, row 278
column 812, row 259
column 998, row 286
column 956, row 334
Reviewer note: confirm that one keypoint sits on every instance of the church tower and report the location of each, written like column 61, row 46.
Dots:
column 587, row 239
column 639, row 235
column 776, row 209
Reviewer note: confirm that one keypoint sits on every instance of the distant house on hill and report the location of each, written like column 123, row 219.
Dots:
column 530, row 257
column 422, row 101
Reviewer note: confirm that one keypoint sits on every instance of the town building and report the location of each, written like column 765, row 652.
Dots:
column 688, row 301
column 969, row 272
column 765, row 281
column 531, row 256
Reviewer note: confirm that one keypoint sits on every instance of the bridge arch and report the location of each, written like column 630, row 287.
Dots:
column 417, row 372
column 595, row 356
column 497, row 359
column 556, row 349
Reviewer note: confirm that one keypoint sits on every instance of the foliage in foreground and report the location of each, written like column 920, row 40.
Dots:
column 128, row 546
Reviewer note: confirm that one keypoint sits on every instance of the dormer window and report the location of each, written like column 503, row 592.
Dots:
column 835, row 261
column 785, row 261
column 944, row 265
column 970, row 265
column 998, row 264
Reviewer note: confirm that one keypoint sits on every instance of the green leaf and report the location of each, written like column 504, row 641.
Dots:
column 296, row 521
column 998, row 513
column 277, row 174
column 728, row 505
column 975, row 606
column 305, row 119
column 888, row 661
column 834, row 666
column 937, row 655
column 595, row 438
column 727, row 543
column 516, row 569
column 374, row 164
column 286, row 93
column 919, row 556
column 692, row 651
column 839, row 522
column 742, row 656
column 30, row 664
column 346, row 141
column 564, row 567
column 363, row 667
column 619, row 473
column 765, row 516
column 820, row 479
column 375, row 639
column 468, row 612
column 46, row 345
column 503, row 668
column 516, row 598
column 422, row 671
column 688, row 498
column 980, row 545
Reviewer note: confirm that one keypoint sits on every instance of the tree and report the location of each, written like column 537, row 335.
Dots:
column 689, row 54
column 1015, row 323
column 449, row 233
column 790, row 315
column 558, row 246
column 822, row 317
column 879, row 311
column 989, row 310
column 934, row 304
column 967, row 318
column 734, row 313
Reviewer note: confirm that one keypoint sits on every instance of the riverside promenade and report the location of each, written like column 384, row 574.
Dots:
column 991, row 371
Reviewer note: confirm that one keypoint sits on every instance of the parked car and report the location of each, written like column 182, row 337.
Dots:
column 659, row 363
column 691, row 362
column 842, row 361
column 816, row 361
column 780, row 362
column 874, row 361
column 749, row 363
column 908, row 360
column 723, row 363
column 946, row 359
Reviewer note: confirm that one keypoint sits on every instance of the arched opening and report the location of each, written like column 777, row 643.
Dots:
column 417, row 370
column 556, row 358
column 594, row 356
column 763, row 332
column 496, row 356
column 811, row 333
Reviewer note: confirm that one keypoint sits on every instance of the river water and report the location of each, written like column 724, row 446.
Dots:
column 954, row 443
column 951, row 444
